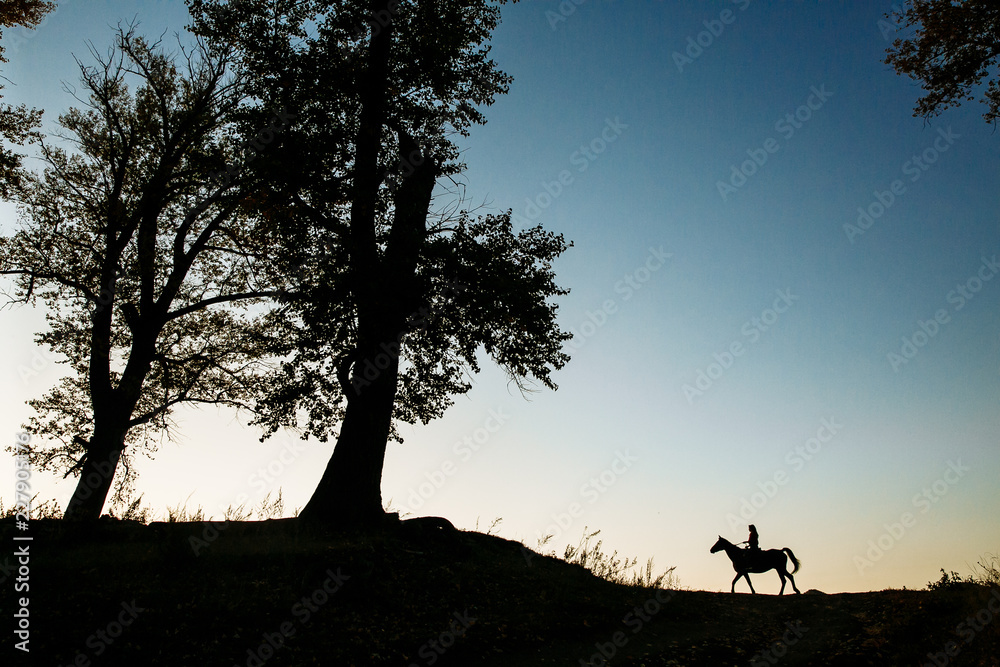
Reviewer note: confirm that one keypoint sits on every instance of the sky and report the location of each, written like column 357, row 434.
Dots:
column 782, row 295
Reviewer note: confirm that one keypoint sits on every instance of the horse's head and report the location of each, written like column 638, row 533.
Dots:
column 719, row 546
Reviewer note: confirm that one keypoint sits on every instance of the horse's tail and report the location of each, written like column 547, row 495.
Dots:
column 795, row 561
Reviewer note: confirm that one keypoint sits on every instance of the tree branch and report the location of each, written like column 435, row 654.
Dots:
column 224, row 298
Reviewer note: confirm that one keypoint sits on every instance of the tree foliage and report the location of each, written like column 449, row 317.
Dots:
column 17, row 124
column 144, row 258
column 477, row 284
column 954, row 47
column 398, row 290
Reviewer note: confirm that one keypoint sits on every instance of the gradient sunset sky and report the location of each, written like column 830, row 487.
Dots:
column 784, row 290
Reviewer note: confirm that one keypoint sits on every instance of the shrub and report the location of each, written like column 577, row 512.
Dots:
column 986, row 572
column 948, row 580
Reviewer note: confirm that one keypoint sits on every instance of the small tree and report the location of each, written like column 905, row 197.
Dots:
column 954, row 48
column 145, row 259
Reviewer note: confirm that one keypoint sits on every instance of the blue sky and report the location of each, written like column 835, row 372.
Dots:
column 877, row 470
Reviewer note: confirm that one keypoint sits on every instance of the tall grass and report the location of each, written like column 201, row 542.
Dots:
column 263, row 510
column 47, row 509
column 987, row 570
column 133, row 510
column 612, row 567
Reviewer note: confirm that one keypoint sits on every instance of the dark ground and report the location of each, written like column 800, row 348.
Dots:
column 118, row 593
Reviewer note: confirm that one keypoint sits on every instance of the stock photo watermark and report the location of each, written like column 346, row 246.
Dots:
column 752, row 330
column 419, row 320
column 263, row 479
column 41, row 359
column 464, row 449
column 581, row 158
column 796, row 458
column 22, row 550
column 591, row 491
column 565, row 9
column 696, row 44
column 265, row 476
column 778, row 649
column 890, row 24
column 103, row 470
column 786, row 126
column 302, row 611
column 923, row 501
column 635, row 621
column 377, row 22
column 432, row 650
column 17, row 38
column 883, row 200
column 626, row 288
column 101, row 639
column 958, row 298
column 967, row 631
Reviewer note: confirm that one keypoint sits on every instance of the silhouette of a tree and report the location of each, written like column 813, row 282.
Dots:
column 17, row 124
column 396, row 298
column 145, row 261
column 954, row 47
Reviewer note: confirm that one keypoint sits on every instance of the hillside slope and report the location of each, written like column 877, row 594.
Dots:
column 254, row 594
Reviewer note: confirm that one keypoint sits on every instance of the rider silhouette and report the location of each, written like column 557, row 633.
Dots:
column 752, row 546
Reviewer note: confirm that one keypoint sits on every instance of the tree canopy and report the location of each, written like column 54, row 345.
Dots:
column 17, row 124
column 954, row 47
column 187, row 232
column 397, row 293
column 135, row 240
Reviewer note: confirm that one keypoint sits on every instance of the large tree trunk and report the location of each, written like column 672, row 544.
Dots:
column 350, row 491
column 113, row 408
column 103, row 454
column 349, row 494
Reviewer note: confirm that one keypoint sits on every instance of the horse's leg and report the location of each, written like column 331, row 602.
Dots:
column 792, row 579
column 746, row 575
column 781, row 574
column 738, row 575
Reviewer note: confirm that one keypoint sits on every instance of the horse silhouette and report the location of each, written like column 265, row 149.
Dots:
column 745, row 562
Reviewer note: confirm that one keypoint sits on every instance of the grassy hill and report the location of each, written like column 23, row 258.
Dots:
column 265, row 593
